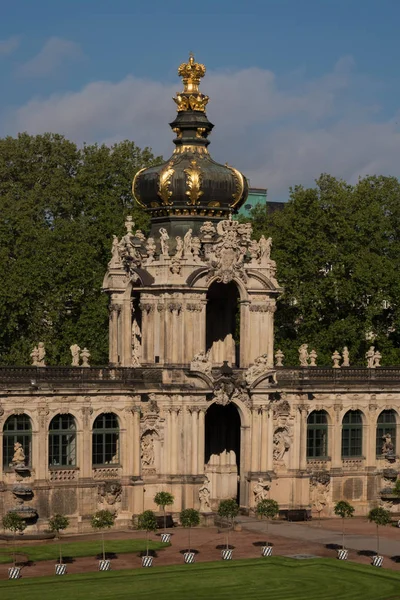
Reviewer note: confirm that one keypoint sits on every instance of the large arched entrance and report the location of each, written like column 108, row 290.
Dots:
column 222, row 323
column 222, row 451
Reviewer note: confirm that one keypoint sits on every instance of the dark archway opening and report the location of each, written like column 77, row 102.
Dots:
column 222, row 450
column 223, row 323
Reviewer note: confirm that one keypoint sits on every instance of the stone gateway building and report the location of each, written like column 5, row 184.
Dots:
column 195, row 399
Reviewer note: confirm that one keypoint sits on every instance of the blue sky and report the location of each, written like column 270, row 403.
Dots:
column 296, row 87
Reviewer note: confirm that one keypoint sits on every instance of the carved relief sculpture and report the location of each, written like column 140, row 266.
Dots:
column 204, row 496
column 260, row 367
column 202, row 362
column 147, row 450
column 18, row 458
column 260, row 490
column 282, row 442
column 151, row 250
column 110, row 493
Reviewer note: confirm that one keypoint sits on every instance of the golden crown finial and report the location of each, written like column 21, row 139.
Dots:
column 191, row 73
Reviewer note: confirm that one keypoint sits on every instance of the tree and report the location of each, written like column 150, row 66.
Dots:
column 147, row 521
column 57, row 524
column 66, row 203
column 381, row 517
column 164, row 499
column 396, row 489
column 340, row 283
column 228, row 509
column 101, row 520
column 344, row 510
column 267, row 508
column 14, row 523
column 189, row 518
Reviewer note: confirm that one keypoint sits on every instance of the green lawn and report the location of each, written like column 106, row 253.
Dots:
column 272, row 579
column 50, row 551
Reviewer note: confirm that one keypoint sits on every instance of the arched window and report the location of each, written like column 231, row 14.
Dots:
column 105, row 443
column 352, row 431
column 386, row 424
column 17, row 428
column 62, row 441
column 317, row 434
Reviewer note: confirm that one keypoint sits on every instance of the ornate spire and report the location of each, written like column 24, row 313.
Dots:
column 191, row 99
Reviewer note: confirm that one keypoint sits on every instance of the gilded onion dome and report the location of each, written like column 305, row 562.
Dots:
column 190, row 185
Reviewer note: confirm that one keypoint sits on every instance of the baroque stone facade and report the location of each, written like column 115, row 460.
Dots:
column 192, row 401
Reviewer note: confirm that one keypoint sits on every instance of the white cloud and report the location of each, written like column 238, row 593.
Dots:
column 9, row 46
column 278, row 132
column 54, row 53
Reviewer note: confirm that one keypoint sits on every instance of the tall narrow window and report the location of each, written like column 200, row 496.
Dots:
column 386, row 432
column 105, row 443
column 352, row 431
column 317, row 434
column 62, row 441
column 17, row 429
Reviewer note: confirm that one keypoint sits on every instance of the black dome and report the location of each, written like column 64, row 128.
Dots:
column 190, row 183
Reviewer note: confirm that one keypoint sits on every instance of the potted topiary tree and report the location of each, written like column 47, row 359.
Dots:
column 14, row 523
column 163, row 499
column 344, row 510
column 147, row 521
column 228, row 509
column 381, row 517
column 101, row 520
column 189, row 518
column 57, row 524
column 267, row 508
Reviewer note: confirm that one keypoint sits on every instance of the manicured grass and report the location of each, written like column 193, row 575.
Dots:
column 51, row 551
column 272, row 578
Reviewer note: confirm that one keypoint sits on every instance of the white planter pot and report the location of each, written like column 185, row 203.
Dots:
column 189, row 557
column 166, row 538
column 342, row 554
column 266, row 551
column 14, row 573
column 377, row 561
column 60, row 569
column 147, row 561
column 226, row 554
column 104, row 565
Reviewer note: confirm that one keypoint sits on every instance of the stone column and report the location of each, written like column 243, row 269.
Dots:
column 270, row 440
column 174, row 440
column 270, row 333
column 136, row 471
column 126, row 326
column 113, row 324
column 201, row 441
column 264, row 439
column 255, row 440
column 85, row 443
column 336, row 443
column 195, row 460
column 245, row 334
column 40, row 445
column 303, row 436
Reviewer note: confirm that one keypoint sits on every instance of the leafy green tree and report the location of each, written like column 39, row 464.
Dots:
column 337, row 252
column 59, row 207
column 396, row 489
column 228, row 509
column 57, row 524
column 381, row 517
column 147, row 521
column 101, row 520
column 267, row 508
column 344, row 510
column 189, row 518
column 164, row 499
column 14, row 523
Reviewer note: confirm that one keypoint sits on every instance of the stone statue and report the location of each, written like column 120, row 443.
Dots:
column 75, row 349
column 336, row 358
column 369, row 355
column 260, row 367
column 207, row 230
column 35, row 357
column 282, row 442
column 110, row 493
column 85, row 355
column 313, row 358
column 204, row 496
column 179, row 247
column 260, row 490
column 147, row 450
column 41, row 353
column 346, row 357
column 136, row 338
column 164, row 237
column 202, row 362
column 319, row 492
column 377, row 359
column 254, row 250
column 221, row 396
column 196, row 247
column 279, row 356
column 115, row 257
column 140, row 235
column 151, row 250
column 175, row 267
column 19, row 455
column 265, row 249
column 303, row 355
column 387, row 446
column 187, row 244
